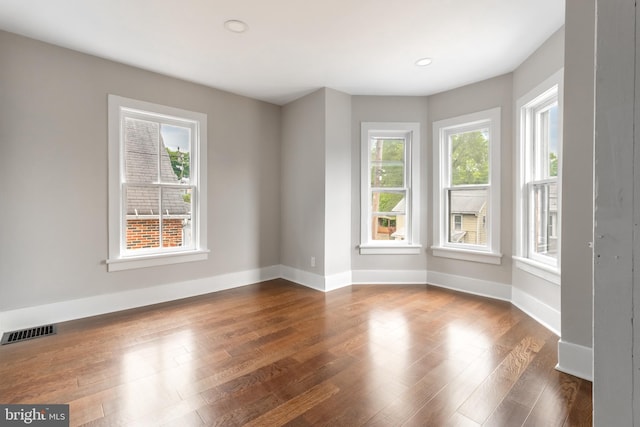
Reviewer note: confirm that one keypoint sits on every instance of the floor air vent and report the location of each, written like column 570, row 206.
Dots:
column 28, row 334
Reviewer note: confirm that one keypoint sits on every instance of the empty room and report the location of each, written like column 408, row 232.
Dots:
column 331, row 213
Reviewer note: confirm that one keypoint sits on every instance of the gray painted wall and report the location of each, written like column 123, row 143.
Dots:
column 53, row 175
column 302, row 182
column 544, row 62
column 386, row 109
column 337, row 176
column 496, row 92
column 577, row 173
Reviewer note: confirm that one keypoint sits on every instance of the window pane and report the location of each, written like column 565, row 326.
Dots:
column 176, row 217
column 468, row 216
column 469, row 157
column 387, row 162
column 176, row 159
column 553, row 141
column 143, row 226
column 546, row 148
column 457, row 222
column 388, row 227
column 389, row 215
column 545, row 219
column 141, row 150
column 388, row 202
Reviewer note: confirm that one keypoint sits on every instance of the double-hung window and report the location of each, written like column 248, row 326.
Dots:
column 157, row 179
column 538, row 171
column 467, row 187
column 390, row 182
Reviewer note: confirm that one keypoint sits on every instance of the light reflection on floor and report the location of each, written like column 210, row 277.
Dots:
column 460, row 336
column 389, row 341
column 154, row 372
column 468, row 347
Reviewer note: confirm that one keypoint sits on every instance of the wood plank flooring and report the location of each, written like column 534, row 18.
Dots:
column 275, row 354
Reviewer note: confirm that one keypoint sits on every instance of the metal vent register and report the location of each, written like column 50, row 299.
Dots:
column 28, row 334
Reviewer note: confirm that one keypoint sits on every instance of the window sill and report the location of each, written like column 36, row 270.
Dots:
column 130, row 263
column 390, row 250
column 467, row 255
column 543, row 271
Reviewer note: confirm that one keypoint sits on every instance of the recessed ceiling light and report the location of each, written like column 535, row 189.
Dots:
column 423, row 62
column 236, row 26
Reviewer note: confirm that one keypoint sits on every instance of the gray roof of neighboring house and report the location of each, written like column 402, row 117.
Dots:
column 141, row 157
column 468, row 201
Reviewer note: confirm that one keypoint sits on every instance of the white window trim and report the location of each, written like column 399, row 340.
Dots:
column 118, row 261
column 532, row 265
column 441, row 247
column 543, row 271
column 411, row 133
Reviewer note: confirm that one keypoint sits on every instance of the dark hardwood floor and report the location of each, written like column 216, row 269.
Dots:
column 276, row 354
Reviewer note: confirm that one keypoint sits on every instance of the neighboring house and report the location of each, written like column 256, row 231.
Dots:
column 142, row 139
column 547, row 238
column 553, row 219
column 391, row 227
column 468, row 217
column 400, row 232
column 384, row 227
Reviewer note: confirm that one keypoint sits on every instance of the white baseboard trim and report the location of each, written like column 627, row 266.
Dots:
column 389, row 277
column 575, row 360
column 108, row 303
column 316, row 281
column 470, row 285
column 337, row 281
column 547, row 316
column 301, row 277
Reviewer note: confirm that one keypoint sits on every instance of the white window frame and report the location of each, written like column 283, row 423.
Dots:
column 119, row 257
column 442, row 129
column 410, row 132
column 542, row 95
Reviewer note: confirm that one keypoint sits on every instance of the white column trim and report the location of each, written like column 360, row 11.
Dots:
column 302, row 277
column 575, row 360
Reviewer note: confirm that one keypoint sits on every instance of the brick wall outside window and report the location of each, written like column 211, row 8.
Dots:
column 144, row 233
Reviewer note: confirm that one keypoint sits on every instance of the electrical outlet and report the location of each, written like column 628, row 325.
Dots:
column 313, row 261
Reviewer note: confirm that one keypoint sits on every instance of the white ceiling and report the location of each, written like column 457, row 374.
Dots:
column 292, row 47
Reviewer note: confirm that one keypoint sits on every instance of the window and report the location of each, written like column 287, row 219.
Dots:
column 538, row 171
column 467, row 187
column 457, row 222
column 157, row 205
column 390, row 188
